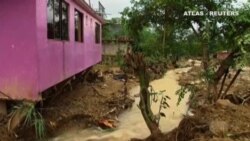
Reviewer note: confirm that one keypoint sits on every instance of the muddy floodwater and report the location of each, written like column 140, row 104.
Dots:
column 131, row 123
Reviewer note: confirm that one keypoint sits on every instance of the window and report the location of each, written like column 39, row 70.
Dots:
column 65, row 21
column 97, row 33
column 86, row 20
column 58, row 20
column 78, row 26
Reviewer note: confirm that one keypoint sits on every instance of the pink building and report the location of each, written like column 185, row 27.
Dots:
column 43, row 42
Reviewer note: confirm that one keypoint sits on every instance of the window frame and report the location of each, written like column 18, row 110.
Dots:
column 86, row 20
column 97, row 29
column 61, row 37
column 81, row 19
column 68, row 21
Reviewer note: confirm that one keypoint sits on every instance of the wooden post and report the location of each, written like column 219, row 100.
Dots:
column 3, row 107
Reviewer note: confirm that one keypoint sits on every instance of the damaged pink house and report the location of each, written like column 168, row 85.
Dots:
column 43, row 42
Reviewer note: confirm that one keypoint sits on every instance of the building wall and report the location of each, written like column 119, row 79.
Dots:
column 29, row 62
column 59, row 60
column 113, row 48
column 18, row 53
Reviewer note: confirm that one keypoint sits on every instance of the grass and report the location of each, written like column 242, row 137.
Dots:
column 39, row 126
column 32, row 118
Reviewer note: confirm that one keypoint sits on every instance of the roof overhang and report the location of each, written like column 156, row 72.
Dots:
column 89, row 10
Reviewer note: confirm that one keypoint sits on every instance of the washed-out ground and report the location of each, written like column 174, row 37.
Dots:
column 88, row 104
column 131, row 122
column 225, row 120
column 222, row 121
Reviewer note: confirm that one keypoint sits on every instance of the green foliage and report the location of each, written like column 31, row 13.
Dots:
column 156, row 60
column 243, row 60
column 185, row 90
column 29, row 114
column 208, row 75
column 33, row 117
column 119, row 58
column 243, row 39
column 149, row 42
column 173, row 35
column 154, row 96
column 181, row 93
column 164, row 103
column 246, row 59
column 113, row 29
column 39, row 126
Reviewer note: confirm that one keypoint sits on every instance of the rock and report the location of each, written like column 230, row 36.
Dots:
column 219, row 128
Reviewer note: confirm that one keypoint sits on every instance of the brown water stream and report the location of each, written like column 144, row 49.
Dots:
column 131, row 123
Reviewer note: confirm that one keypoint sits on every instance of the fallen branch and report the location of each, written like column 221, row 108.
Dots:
column 109, row 112
column 225, row 64
column 223, row 83
column 232, row 82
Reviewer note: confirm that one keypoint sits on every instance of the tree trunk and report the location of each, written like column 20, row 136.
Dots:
column 145, row 103
column 225, row 64
column 232, row 82
column 164, row 38
column 223, row 69
column 136, row 61
column 222, row 84
column 205, row 57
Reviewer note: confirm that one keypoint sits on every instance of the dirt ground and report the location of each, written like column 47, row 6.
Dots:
column 225, row 120
column 221, row 121
column 74, row 110
column 88, row 104
column 4, row 135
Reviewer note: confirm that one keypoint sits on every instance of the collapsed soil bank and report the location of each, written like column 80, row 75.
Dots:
column 221, row 121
